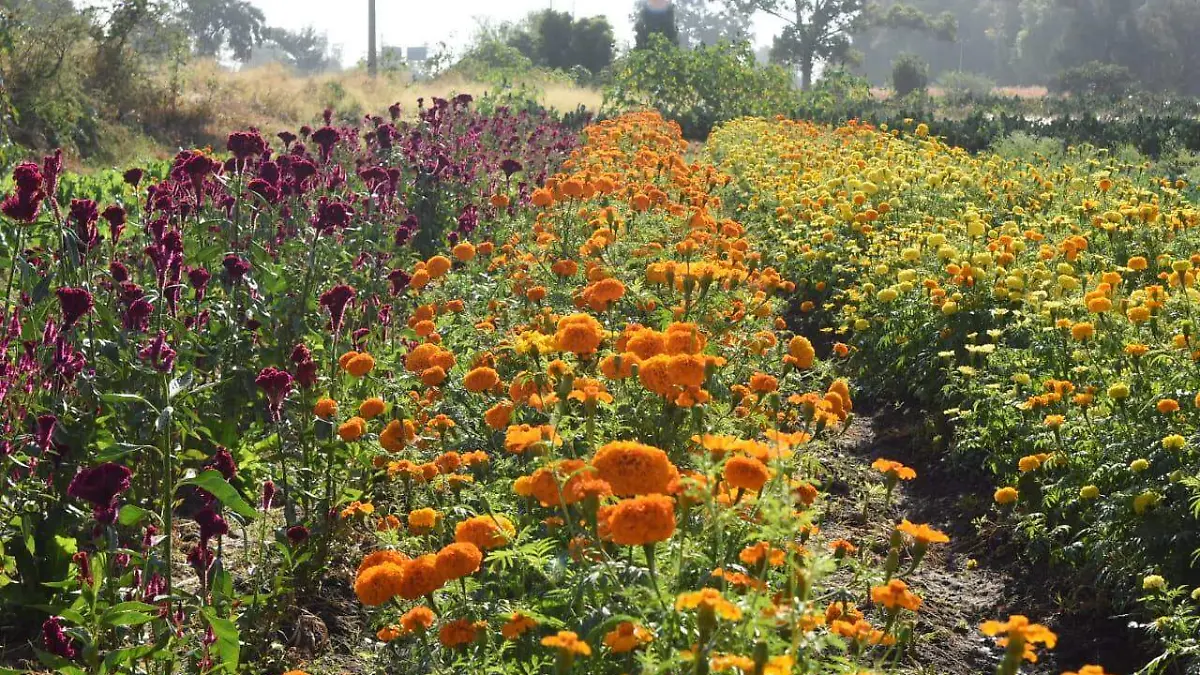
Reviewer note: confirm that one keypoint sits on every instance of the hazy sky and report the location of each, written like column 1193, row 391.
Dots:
column 407, row 23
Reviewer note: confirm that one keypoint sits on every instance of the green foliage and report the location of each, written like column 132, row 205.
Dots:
column 963, row 87
column 707, row 22
column 699, row 88
column 1107, row 81
column 306, row 50
column 547, row 39
column 909, row 74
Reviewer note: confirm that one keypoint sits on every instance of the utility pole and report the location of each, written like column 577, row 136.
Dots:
column 372, row 55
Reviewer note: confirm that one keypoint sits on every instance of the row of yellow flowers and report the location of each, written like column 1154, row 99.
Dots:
column 1041, row 307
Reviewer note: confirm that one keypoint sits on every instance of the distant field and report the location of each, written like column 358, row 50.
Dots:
column 1021, row 92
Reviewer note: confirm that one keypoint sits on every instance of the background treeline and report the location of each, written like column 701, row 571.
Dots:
column 1029, row 42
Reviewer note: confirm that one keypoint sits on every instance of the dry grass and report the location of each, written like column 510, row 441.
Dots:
column 272, row 98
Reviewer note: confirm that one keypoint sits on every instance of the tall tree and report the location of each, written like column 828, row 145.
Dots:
column 306, row 50
column 654, row 18
column 216, row 25
column 707, row 22
column 815, row 30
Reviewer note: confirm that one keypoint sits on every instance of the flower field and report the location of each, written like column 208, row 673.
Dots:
column 476, row 392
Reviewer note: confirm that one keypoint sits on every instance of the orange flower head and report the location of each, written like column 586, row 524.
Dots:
column 746, row 473
column 417, row 620
column 379, row 583
column 626, row 637
column 326, row 409
column 421, row 577
column 923, row 534
column 486, row 532
column 633, row 468
column 895, row 595
column 371, row 408
column 481, row 379
column 642, row 520
column 459, row 560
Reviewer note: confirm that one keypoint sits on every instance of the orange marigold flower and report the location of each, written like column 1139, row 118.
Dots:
column 421, row 577
column 626, row 637
column 421, row 521
column 481, row 379
column 1088, row 670
column 517, row 625
column 762, row 552
column 893, row 470
column 579, row 334
column 642, row 520
column 464, row 251
column 800, row 352
column 525, row 438
column 684, row 338
column 632, row 468
column 746, row 473
column 371, row 408
column 922, row 533
column 567, row 642
column 380, row 557
column 388, row 523
column 458, row 633
column 417, row 620
column 498, row 416
column 686, row 370
column 708, row 602
column 619, row 366
column 352, row 429
column 389, row 633
column 763, row 383
column 377, row 584
column 433, row 376
column 360, row 364
column 1006, row 495
column 1167, row 406
column 486, row 532
column 437, row 266
column 895, row 595
column 1019, row 636
column 326, row 409
column 459, row 560
column 655, row 375
column 842, row 547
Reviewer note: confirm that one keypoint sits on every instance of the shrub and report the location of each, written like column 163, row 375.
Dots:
column 961, row 86
column 1094, row 80
column 909, row 74
column 699, row 88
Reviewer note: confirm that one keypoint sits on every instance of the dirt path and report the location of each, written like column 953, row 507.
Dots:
column 980, row 574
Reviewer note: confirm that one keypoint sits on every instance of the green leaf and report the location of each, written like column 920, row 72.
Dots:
column 125, row 618
column 131, row 515
column 215, row 484
column 118, row 397
column 228, row 646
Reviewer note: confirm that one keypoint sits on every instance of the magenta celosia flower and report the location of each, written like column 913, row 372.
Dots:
column 268, row 495
column 335, row 300
column 276, row 384
column 75, row 302
column 56, row 641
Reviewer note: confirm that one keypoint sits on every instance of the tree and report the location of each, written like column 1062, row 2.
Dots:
column 654, row 21
column 592, row 43
column 707, row 22
column 817, row 31
column 553, row 30
column 216, row 25
column 306, row 50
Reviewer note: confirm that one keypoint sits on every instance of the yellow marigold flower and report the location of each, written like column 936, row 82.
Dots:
column 1054, row 421
column 1089, row 492
column 1153, row 582
column 1145, row 500
column 1119, row 391
column 1174, row 442
column 800, row 352
column 1139, row 465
